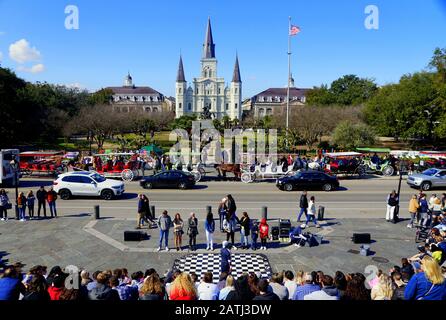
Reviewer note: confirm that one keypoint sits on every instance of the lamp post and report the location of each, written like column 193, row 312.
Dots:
column 401, row 166
column 15, row 166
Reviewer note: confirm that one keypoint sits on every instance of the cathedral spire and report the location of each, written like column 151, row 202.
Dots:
column 236, row 76
column 180, row 74
column 209, row 46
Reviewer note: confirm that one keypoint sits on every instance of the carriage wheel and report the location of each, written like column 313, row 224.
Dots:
column 127, row 175
column 246, row 177
column 361, row 171
column 388, row 171
column 202, row 172
column 197, row 176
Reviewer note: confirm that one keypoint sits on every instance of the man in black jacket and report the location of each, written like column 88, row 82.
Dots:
column 41, row 200
column 303, row 204
column 266, row 293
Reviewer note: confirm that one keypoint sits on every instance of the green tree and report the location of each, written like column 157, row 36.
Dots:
column 183, row 122
column 320, row 96
column 102, row 96
column 345, row 91
column 405, row 110
column 350, row 136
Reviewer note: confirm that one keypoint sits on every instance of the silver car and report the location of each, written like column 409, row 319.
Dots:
column 428, row 179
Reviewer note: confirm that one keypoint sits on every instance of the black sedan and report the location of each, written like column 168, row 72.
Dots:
column 169, row 179
column 308, row 180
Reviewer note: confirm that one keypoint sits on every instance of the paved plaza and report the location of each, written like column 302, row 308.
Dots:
column 98, row 244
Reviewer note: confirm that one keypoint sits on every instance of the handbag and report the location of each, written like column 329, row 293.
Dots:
column 8, row 206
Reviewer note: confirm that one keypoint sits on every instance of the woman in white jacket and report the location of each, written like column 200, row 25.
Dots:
column 312, row 213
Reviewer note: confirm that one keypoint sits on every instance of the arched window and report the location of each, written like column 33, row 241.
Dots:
column 155, row 109
column 189, row 106
column 180, row 105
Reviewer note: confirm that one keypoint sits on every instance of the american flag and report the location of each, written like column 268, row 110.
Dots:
column 294, row 30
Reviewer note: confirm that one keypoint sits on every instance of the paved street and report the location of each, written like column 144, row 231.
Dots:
column 357, row 198
column 75, row 238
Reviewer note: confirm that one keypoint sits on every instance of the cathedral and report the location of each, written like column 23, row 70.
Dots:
column 209, row 94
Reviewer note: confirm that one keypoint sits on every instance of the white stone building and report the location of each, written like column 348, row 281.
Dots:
column 209, row 90
column 130, row 97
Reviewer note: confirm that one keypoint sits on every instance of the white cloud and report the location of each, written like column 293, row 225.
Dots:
column 75, row 85
column 22, row 52
column 2, row 33
column 38, row 68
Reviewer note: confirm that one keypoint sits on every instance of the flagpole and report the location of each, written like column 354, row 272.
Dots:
column 289, row 76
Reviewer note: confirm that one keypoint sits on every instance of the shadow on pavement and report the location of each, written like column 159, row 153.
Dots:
column 35, row 183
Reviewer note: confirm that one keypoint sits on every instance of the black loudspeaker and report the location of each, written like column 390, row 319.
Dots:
column 361, row 238
column 275, row 231
column 284, row 228
column 134, row 235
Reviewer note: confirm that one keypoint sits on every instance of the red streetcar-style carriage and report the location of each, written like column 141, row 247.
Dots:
column 47, row 163
column 125, row 166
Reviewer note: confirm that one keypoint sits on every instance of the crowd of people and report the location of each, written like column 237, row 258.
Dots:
column 422, row 279
column 251, row 231
column 26, row 203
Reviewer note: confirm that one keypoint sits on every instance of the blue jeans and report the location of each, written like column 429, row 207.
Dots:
column 254, row 241
column 311, row 217
column 243, row 238
column 302, row 211
column 164, row 234
column 22, row 212
column 52, row 206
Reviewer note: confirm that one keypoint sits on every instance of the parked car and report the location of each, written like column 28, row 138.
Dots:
column 169, row 179
column 428, row 179
column 307, row 180
column 87, row 183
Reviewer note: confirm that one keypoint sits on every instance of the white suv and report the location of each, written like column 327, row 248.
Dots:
column 84, row 183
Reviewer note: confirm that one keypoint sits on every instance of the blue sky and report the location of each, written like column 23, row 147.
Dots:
column 146, row 37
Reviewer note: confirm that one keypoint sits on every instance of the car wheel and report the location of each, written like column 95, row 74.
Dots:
column 425, row 186
column 65, row 194
column 288, row 187
column 327, row 187
column 107, row 194
column 182, row 185
column 148, row 185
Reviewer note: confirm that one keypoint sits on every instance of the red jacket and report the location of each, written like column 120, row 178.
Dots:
column 54, row 293
column 51, row 196
column 176, row 294
column 263, row 229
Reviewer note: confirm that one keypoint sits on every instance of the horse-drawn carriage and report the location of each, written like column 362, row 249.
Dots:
column 45, row 163
column 344, row 163
column 125, row 166
column 264, row 171
column 375, row 164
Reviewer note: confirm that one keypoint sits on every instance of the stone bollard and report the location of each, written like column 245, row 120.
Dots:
column 152, row 212
column 96, row 213
column 265, row 213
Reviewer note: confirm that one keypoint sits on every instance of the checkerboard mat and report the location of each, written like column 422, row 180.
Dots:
column 241, row 263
